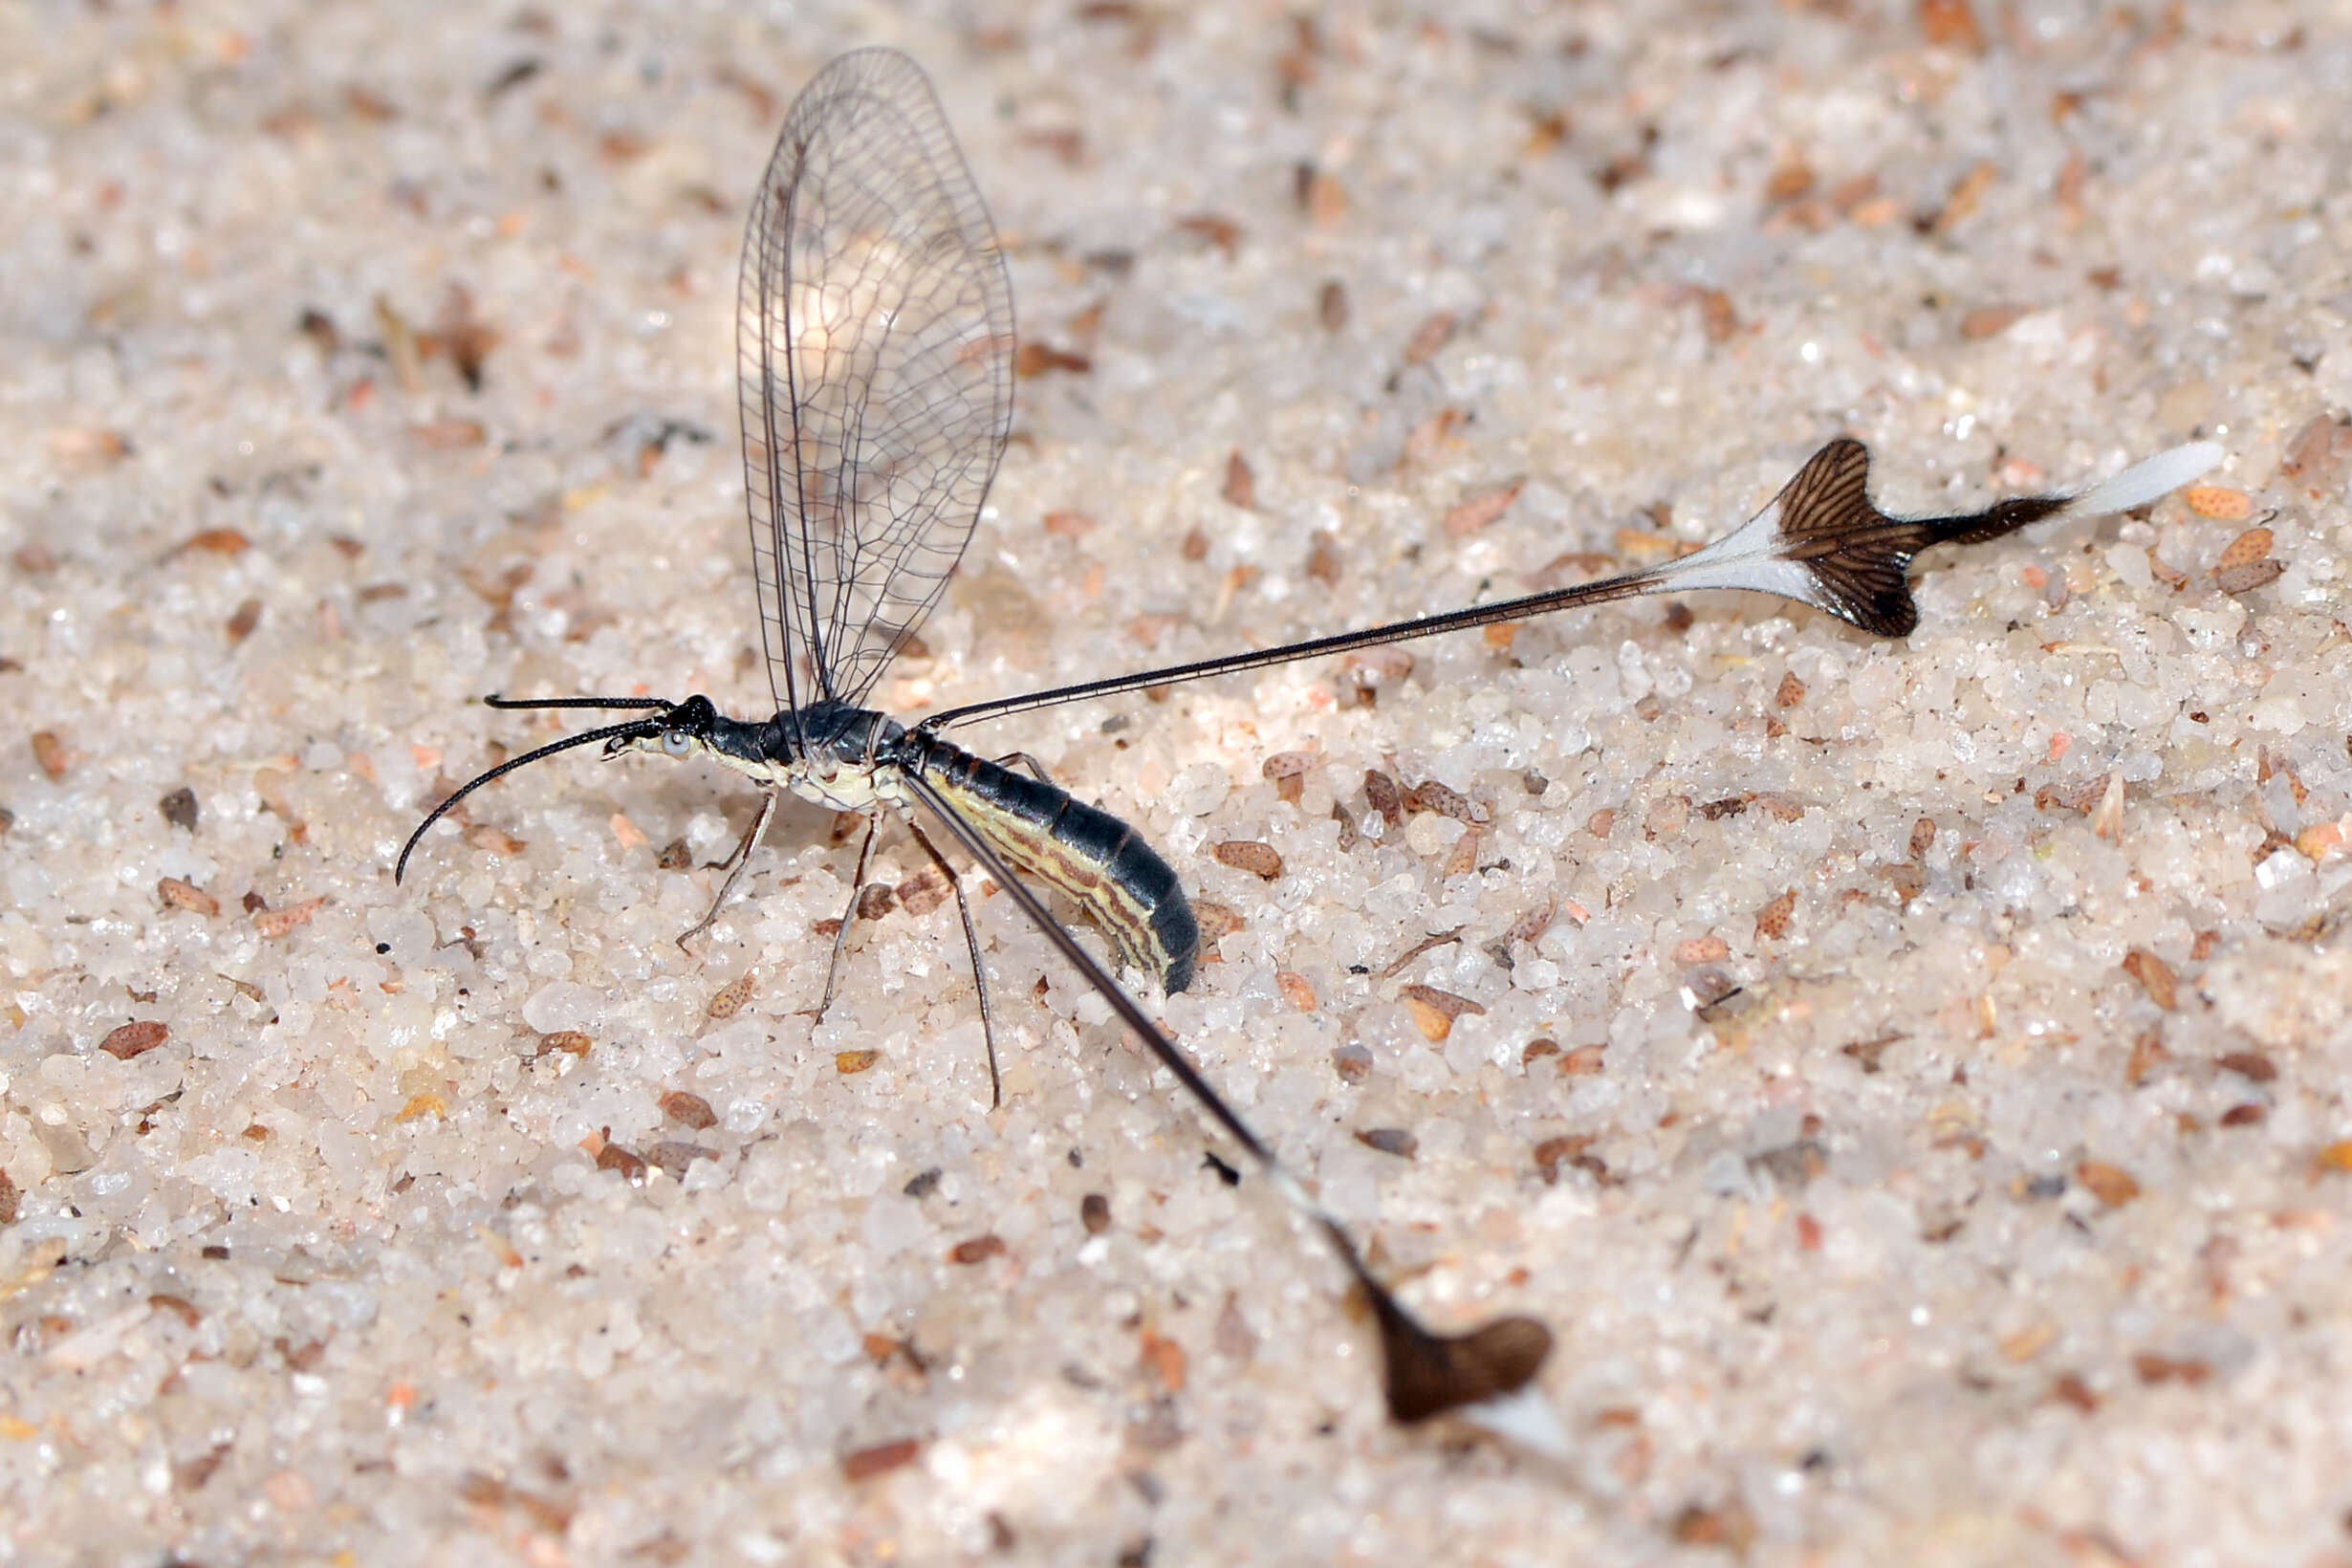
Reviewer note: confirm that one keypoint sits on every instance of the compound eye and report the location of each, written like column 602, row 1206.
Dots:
column 676, row 742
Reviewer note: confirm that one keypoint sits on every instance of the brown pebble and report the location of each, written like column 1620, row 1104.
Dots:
column 730, row 998
column 1533, row 922
column 50, row 752
column 925, row 891
column 1287, row 771
column 688, row 1110
column 1922, row 838
column 1434, row 332
column 278, row 923
column 1536, row 1050
column 613, row 1157
column 89, row 444
column 1396, row 1141
column 2110, row 1185
column 1322, row 560
column 978, row 1249
column 1164, row 1359
column 1702, row 949
column 186, row 894
column 1789, row 179
column 2254, row 1066
column 1431, row 436
column 1296, row 990
column 570, row 1043
column 1475, row 512
column 493, row 839
column 880, row 1459
column 1584, row 1062
column 135, row 1041
column 179, row 1306
column 1381, row 791
column 2069, row 1388
column 1772, row 920
column 1034, row 358
column 1352, row 1062
column 243, row 620
column 1434, row 1011
column 1568, row 1150
column 2146, row 1052
column 1991, row 320
column 875, row 900
column 2246, row 579
column 1069, row 524
column 9, row 1202
column 1463, row 858
column 1866, row 1053
column 1443, row 800
column 1732, row 1526
column 449, row 435
column 1331, row 305
column 1095, row 1214
column 1216, row 920
column 1222, row 232
column 675, row 1157
column 2245, row 1116
column 675, row 856
column 2317, row 451
column 2183, row 1369
column 1259, row 860
column 850, row 1063
column 178, row 808
column 2155, row 977
column 2248, row 548
column 1967, row 192
column 1716, row 316
column 2224, row 505
column 1240, row 484
column 1792, row 692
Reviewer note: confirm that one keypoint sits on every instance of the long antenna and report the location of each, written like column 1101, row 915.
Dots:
column 634, row 728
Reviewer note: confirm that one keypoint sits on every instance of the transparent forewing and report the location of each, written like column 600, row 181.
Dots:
column 875, row 339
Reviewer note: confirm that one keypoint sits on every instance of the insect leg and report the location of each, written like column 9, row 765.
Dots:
column 1022, row 759
column 840, row 933
column 738, row 861
column 979, row 970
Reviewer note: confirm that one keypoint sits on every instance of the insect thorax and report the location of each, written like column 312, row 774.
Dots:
column 829, row 754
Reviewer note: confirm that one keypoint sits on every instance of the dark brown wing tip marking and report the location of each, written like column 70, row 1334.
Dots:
column 1429, row 1373
column 1858, row 558
column 2001, row 517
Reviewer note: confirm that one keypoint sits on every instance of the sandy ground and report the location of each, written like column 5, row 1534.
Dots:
column 1909, row 1079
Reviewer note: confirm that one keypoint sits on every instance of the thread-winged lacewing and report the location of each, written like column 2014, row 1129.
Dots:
column 874, row 347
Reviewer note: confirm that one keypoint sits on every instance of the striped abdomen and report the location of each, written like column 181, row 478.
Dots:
column 1087, row 853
